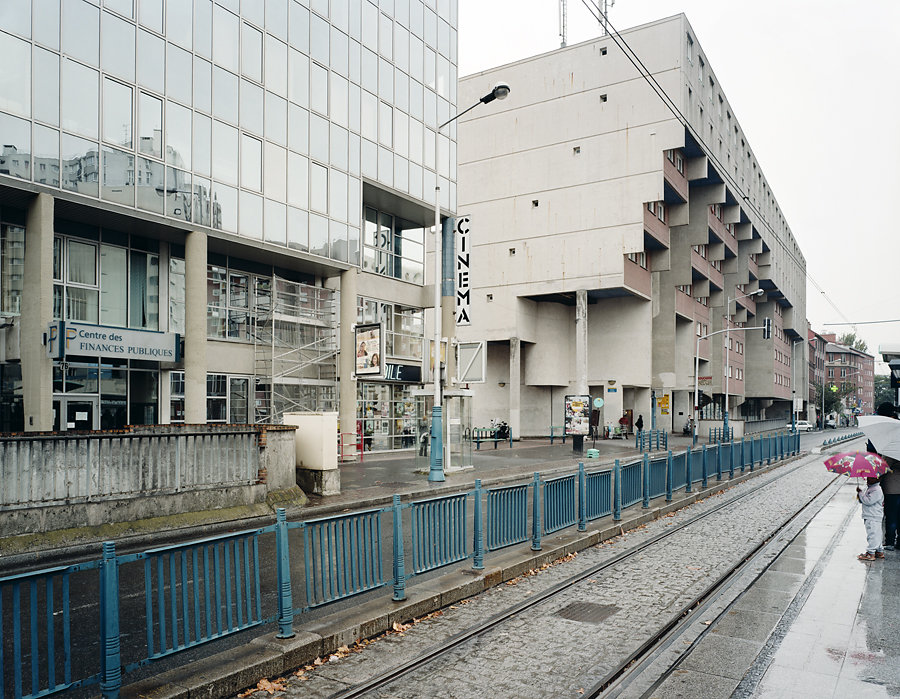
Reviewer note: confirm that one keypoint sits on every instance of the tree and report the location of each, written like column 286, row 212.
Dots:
column 851, row 340
column 833, row 399
column 883, row 391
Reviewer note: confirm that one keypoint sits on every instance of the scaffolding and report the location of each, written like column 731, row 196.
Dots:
column 295, row 336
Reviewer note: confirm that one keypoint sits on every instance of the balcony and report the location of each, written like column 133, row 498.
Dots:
column 720, row 231
column 674, row 180
column 636, row 278
column 655, row 229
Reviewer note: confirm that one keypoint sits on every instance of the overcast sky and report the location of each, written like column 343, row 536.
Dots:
column 814, row 87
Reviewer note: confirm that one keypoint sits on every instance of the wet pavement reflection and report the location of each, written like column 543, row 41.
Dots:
column 845, row 640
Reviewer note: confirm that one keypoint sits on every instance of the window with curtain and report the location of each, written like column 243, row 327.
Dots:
column 144, row 286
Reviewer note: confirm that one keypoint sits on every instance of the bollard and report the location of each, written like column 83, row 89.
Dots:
column 110, row 657
column 536, row 513
column 478, row 543
column 582, row 504
column 617, row 491
column 669, row 477
column 283, row 573
column 645, row 465
column 399, row 563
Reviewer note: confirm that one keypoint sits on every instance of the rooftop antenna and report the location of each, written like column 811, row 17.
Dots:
column 604, row 9
column 563, row 29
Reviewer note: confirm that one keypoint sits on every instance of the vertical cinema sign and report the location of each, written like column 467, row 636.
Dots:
column 463, row 260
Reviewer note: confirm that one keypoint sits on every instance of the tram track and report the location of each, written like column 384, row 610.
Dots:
column 664, row 635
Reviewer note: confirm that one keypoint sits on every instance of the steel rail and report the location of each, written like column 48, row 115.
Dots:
column 392, row 674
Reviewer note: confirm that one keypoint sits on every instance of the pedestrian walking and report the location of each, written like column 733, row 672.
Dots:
column 872, row 500
column 890, row 485
column 640, row 423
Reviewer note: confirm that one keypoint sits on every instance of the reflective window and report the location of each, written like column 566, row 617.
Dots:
column 151, row 61
column 338, row 234
column 80, row 91
column 298, row 129
column 369, row 108
column 385, row 80
column 201, row 206
column 45, row 154
column 202, row 85
column 15, row 156
column 225, row 153
column 178, row 194
column 355, row 62
column 143, row 285
column 275, row 222
column 338, row 195
column 81, row 31
column 339, row 52
column 416, row 100
column 277, row 18
column 15, row 84
column 225, row 95
column 339, row 144
column 179, row 22
column 430, row 67
column 354, row 107
column 401, row 133
column 149, row 125
column 370, row 25
column 299, row 27
column 15, row 17
column 318, row 138
column 251, row 162
column 298, row 70
column 298, row 180
column 224, row 208
column 201, row 144
column 386, row 36
column 416, row 59
column 369, row 159
column 318, row 235
column 251, row 215
column 203, row 27
column 318, row 37
column 318, row 188
column 385, row 124
column 443, row 77
column 123, row 7
column 318, row 88
column 251, row 52
column 339, row 106
column 178, row 135
column 251, row 104
column 276, row 119
column 275, row 172
column 226, row 38
column 150, row 186
column 320, row 6
column 369, row 71
column 276, row 66
column 117, row 113
column 179, row 70
column 298, row 229
column 117, row 47
column 151, row 15
column 45, row 17
column 401, row 47
column 401, row 90
column 386, row 166
column 113, row 283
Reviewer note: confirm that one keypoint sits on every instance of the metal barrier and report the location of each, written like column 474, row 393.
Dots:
column 562, row 431
column 717, row 434
column 651, row 440
column 197, row 592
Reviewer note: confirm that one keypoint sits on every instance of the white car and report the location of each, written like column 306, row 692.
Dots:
column 802, row 426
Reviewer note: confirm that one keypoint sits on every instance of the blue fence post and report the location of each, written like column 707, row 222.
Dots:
column 110, row 657
column 536, row 513
column 478, row 544
column 617, row 491
column 582, row 494
column 669, row 476
column 743, row 454
column 665, row 440
column 645, row 479
column 731, row 459
column 719, row 461
column 705, row 468
column 399, row 562
column 770, row 449
column 283, row 571
column 689, row 469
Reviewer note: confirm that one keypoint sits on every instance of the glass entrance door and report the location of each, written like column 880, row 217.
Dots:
column 458, row 432
column 76, row 414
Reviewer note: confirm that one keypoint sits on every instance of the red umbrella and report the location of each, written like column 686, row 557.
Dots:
column 857, row 464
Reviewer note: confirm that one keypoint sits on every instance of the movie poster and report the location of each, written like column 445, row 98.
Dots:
column 368, row 350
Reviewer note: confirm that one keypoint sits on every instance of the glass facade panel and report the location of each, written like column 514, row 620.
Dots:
column 298, row 229
column 318, row 187
column 118, row 117
column 226, row 38
column 118, row 177
column 80, row 99
column 318, row 38
column 225, row 95
column 117, row 47
column 179, row 71
column 251, row 52
column 202, row 155
column 224, row 160
column 179, row 23
column 203, row 27
column 275, row 173
column 45, row 154
column 251, row 215
column 318, row 235
column 178, row 194
column 15, row 84
column 81, row 31
column 276, row 66
column 46, row 74
column 202, row 85
column 113, row 285
column 151, row 15
column 298, row 180
column 15, row 151
column 275, row 222
column 251, row 107
column 144, row 291
column 201, row 206
column 276, row 119
column 178, row 135
column 224, row 208
column 151, row 61
column 318, row 88
column 150, row 184
column 149, row 125
column 80, row 165
column 12, row 268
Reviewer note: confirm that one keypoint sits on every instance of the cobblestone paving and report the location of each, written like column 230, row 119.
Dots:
column 541, row 653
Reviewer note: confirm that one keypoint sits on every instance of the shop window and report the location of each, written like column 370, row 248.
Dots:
column 12, row 269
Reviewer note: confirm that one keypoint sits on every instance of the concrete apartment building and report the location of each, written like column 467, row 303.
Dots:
column 608, row 235
column 817, row 356
column 853, row 372
column 200, row 200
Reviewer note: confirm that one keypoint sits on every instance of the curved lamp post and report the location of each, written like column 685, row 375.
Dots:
column 436, row 465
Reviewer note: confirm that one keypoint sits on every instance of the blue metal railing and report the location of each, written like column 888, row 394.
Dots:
column 651, row 440
column 718, row 434
column 200, row 591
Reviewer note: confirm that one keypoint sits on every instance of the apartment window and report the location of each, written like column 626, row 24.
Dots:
column 699, row 328
column 702, row 67
column 690, row 49
column 227, row 398
column 684, row 289
column 639, row 258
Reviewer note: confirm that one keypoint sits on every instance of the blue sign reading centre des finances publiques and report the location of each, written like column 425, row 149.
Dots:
column 99, row 341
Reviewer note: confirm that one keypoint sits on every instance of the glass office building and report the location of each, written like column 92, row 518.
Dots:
column 296, row 141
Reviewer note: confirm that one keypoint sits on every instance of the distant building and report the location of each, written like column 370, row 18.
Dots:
column 817, row 345
column 851, row 370
column 608, row 236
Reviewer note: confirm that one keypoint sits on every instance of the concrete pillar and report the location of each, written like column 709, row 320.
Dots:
column 347, row 357
column 195, row 263
column 581, row 342
column 515, row 387
column 37, row 314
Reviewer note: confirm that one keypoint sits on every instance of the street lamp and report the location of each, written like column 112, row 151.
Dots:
column 436, row 469
column 794, row 387
column 758, row 292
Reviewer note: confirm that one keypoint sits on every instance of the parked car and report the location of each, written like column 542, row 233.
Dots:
column 802, row 426
column 829, row 423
